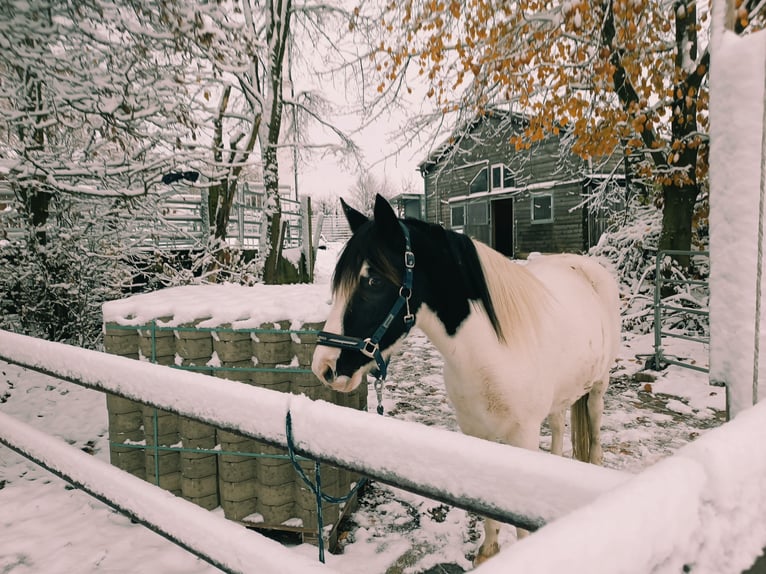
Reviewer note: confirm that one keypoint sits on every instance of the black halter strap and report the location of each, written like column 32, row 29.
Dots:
column 370, row 346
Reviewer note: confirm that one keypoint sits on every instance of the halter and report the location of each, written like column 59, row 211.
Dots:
column 370, row 347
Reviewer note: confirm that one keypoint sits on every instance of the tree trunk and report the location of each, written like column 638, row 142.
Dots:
column 273, row 211
column 677, row 216
column 36, row 204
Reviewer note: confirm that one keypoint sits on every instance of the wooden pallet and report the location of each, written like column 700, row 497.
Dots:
column 305, row 534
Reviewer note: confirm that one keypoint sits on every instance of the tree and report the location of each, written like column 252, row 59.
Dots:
column 615, row 76
column 365, row 188
column 244, row 46
column 91, row 99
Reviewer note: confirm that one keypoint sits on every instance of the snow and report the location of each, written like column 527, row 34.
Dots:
column 736, row 132
column 215, row 305
column 702, row 507
column 222, row 541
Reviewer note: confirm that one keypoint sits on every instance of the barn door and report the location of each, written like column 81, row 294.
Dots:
column 502, row 226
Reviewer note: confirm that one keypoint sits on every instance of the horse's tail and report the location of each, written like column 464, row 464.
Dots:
column 582, row 431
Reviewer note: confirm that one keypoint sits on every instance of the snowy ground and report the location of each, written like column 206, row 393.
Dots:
column 47, row 527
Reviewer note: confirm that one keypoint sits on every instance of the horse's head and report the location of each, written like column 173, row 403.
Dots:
column 374, row 300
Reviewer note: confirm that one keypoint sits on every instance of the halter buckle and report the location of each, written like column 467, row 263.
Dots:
column 409, row 259
column 369, row 349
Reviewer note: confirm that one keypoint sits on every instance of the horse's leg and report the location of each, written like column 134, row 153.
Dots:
column 595, row 410
column 556, row 421
column 528, row 438
column 490, row 546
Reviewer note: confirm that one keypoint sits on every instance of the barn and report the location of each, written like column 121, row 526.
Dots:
column 517, row 201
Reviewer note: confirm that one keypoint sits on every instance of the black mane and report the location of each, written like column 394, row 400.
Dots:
column 466, row 260
column 364, row 245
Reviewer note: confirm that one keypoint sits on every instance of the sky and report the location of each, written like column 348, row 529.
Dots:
column 330, row 177
column 384, row 150
column 381, row 140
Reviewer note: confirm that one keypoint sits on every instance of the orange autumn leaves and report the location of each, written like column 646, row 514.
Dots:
column 565, row 63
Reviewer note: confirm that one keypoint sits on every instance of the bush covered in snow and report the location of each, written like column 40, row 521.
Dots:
column 55, row 289
column 629, row 246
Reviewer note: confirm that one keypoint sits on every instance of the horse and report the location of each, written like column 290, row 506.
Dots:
column 520, row 342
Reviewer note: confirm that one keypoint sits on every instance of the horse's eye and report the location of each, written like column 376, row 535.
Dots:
column 374, row 282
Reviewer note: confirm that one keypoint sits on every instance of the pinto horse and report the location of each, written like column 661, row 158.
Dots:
column 520, row 342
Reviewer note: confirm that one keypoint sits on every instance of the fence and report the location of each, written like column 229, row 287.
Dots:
column 253, row 482
column 220, row 542
column 184, row 221
column 521, row 487
column 701, row 510
column 333, row 227
column 660, row 307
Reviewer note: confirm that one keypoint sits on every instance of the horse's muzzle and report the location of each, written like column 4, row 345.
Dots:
column 328, row 376
column 324, row 364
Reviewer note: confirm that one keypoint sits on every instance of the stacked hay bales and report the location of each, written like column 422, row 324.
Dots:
column 163, row 466
column 199, row 470
column 126, row 418
column 253, row 482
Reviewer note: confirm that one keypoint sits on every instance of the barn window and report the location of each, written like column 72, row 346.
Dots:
column 477, row 213
column 501, row 177
column 480, row 182
column 457, row 214
column 542, row 208
column 497, row 176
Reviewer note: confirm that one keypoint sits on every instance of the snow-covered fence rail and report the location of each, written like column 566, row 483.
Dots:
column 220, row 542
column 701, row 511
column 521, row 487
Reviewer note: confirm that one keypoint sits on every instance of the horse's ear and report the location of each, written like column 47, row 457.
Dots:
column 355, row 219
column 385, row 217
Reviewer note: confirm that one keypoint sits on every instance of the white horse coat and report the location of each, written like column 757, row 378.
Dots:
column 521, row 342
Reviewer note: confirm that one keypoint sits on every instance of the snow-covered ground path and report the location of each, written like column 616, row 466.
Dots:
column 46, row 527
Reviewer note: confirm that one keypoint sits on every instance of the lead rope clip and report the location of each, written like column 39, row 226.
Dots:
column 379, row 393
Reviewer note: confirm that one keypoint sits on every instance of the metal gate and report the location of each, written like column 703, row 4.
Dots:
column 663, row 310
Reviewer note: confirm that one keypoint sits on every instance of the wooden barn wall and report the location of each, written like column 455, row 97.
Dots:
column 563, row 234
column 489, row 144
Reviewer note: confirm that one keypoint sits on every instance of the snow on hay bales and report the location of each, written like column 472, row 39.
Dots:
column 263, row 336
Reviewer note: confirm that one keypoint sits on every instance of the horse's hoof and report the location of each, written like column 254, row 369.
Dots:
column 485, row 554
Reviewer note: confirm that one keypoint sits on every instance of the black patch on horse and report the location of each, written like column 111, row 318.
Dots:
column 447, row 277
column 467, row 261
column 457, row 276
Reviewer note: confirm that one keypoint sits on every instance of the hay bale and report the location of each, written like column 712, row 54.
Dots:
column 156, row 342
column 120, row 341
column 305, row 343
column 233, row 346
